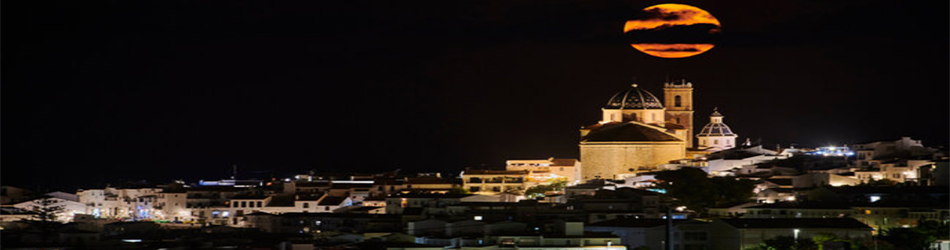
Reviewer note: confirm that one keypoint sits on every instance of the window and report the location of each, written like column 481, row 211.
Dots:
column 252, row 204
column 259, row 204
column 327, row 208
column 306, row 205
column 677, row 101
column 243, row 204
column 716, row 142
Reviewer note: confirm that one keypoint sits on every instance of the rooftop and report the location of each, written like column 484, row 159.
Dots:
column 332, row 201
column 790, row 223
column 627, row 131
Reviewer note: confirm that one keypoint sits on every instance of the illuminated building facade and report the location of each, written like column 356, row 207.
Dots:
column 637, row 132
column 549, row 169
column 492, row 182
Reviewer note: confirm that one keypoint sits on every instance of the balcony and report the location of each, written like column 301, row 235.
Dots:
column 494, row 180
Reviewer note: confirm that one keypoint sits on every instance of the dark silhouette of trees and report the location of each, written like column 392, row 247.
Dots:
column 46, row 211
column 693, row 188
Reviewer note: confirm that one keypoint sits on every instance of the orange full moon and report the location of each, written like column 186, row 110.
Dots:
column 672, row 31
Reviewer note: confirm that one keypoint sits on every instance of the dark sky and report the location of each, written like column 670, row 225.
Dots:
column 101, row 91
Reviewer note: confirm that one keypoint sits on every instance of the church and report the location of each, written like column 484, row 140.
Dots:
column 637, row 132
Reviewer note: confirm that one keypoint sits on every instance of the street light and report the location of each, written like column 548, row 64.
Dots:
column 796, row 234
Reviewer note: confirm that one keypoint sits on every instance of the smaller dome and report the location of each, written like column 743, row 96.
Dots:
column 715, row 126
column 716, row 129
column 634, row 98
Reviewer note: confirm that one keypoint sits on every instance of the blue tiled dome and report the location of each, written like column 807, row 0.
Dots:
column 634, row 98
column 716, row 127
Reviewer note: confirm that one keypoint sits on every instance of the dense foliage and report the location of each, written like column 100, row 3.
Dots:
column 557, row 185
column 693, row 188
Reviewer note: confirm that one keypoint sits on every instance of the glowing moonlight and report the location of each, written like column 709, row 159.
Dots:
column 672, row 31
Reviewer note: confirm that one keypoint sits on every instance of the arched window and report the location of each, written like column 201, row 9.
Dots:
column 677, row 101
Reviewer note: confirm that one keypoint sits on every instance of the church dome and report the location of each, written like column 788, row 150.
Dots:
column 634, row 98
column 716, row 127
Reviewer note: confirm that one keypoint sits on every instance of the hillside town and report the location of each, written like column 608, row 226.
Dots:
column 645, row 180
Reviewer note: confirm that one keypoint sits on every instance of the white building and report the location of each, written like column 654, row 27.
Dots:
column 120, row 203
column 68, row 202
column 869, row 154
column 551, row 168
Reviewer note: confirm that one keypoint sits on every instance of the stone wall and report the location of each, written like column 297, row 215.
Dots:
column 610, row 159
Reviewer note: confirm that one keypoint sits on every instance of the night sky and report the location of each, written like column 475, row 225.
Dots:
column 99, row 92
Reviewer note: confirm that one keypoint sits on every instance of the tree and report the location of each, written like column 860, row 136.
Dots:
column 881, row 182
column 913, row 238
column 45, row 212
column 539, row 190
column 459, row 190
column 693, row 188
column 786, row 243
column 46, row 209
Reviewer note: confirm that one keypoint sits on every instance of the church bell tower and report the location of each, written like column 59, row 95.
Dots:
column 678, row 98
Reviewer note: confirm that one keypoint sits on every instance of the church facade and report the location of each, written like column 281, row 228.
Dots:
column 638, row 132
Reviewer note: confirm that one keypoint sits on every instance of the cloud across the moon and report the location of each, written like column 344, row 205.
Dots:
column 672, row 31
